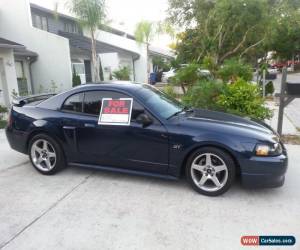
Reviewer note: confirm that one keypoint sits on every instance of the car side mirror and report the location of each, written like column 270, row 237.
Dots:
column 144, row 119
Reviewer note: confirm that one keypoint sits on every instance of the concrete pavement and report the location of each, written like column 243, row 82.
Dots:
column 293, row 109
column 81, row 209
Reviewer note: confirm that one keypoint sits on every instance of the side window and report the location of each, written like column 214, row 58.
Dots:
column 137, row 109
column 93, row 100
column 74, row 103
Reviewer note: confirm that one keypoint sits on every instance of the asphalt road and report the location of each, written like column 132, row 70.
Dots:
column 293, row 109
column 83, row 209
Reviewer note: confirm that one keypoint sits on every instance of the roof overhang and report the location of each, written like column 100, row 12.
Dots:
column 83, row 43
column 7, row 44
column 165, row 53
column 18, row 49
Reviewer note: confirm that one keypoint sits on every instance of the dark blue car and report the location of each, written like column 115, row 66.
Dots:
column 162, row 138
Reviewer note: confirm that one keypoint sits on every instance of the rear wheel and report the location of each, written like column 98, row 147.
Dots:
column 45, row 154
column 210, row 171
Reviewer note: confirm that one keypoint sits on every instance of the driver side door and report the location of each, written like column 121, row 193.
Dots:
column 135, row 147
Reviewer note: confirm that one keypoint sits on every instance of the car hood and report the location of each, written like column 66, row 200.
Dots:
column 218, row 120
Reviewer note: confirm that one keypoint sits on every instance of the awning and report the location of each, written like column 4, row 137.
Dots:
column 7, row 44
column 84, row 43
column 19, row 49
column 25, row 52
column 166, row 53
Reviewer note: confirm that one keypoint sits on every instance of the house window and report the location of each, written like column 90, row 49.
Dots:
column 21, row 79
column 78, row 68
column 40, row 22
column 71, row 27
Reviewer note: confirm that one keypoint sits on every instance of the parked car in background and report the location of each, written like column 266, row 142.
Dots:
column 166, row 76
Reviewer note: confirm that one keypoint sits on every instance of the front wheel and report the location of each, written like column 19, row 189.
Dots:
column 45, row 154
column 210, row 171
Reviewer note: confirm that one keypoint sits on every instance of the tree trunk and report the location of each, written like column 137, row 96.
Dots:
column 148, row 65
column 183, row 88
column 95, row 65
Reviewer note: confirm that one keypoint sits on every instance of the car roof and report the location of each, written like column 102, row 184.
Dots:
column 117, row 85
column 56, row 101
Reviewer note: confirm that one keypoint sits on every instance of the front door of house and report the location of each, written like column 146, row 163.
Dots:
column 87, row 68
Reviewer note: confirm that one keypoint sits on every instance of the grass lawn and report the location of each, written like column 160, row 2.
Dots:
column 2, row 124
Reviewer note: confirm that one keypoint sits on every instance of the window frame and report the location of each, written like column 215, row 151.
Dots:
column 105, row 90
column 38, row 21
column 70, row 111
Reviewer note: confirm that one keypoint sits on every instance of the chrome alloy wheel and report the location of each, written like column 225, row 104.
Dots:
column 209, row 172
column 43, row 155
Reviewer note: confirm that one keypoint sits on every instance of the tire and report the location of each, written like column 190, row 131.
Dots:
column 210, row 171
column 45, row 154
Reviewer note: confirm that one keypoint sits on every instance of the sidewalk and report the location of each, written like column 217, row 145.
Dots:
column 293, row 109
column 288, row 128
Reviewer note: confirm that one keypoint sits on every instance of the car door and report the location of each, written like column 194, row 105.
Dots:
column 135, row 146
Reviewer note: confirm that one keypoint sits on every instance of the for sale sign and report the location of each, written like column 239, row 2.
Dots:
column 115, row 111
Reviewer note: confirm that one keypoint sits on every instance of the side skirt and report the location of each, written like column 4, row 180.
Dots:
column 121, row 170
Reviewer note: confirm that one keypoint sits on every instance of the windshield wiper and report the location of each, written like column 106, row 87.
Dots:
column 176, row 113
column 185, row 109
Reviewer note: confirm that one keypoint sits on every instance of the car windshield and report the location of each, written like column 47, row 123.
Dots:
column 160, row 103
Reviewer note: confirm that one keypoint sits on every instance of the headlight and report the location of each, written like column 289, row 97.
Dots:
column 268, row 150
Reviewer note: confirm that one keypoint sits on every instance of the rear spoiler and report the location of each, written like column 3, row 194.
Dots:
column 22, row 100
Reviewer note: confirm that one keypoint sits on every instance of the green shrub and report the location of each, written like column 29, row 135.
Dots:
column 204, row 94
column 243, row 98
column 186, row 76
column 75, row 79
column 169, row 90
column 2, row 111
column 269, row 88
column 122, row 74
column 2, row 124
column 233, row 69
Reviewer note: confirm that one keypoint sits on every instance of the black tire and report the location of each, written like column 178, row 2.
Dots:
column 221, row 155
column 59, row 162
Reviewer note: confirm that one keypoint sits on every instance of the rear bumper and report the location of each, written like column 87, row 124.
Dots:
column 17, row 139
column 264, row 172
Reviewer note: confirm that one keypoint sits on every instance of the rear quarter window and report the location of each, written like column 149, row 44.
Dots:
column 74, row 103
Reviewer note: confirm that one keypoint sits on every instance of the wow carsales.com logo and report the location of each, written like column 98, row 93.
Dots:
column 268, row 240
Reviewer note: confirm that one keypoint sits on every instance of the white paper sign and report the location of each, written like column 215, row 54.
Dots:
column 115, row 111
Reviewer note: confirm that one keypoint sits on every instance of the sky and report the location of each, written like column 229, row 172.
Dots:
column 125, row 14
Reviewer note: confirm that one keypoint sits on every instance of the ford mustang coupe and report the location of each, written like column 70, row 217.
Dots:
column 135, row 128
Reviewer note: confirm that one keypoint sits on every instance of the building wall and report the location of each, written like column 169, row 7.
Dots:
column 7, row 75
column 109, row 63
column 127, row 44
column 54, row 62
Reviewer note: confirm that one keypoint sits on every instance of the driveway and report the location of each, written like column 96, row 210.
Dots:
column 83, row 209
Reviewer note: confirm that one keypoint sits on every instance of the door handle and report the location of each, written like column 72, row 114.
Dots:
column 164, row 136
column 89, row 125
column 69, row 127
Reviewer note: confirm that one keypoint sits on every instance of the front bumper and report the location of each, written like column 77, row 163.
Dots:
column 264, row 172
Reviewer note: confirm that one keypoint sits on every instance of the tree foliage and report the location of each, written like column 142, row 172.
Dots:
column 233, row 69
column 122, row 74
column 221, row 29
column 91, row 15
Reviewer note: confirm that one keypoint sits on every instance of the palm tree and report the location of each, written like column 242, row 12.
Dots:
column 144, row 33
column 91, row 15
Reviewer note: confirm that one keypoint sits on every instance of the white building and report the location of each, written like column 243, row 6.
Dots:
column 39, row 51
